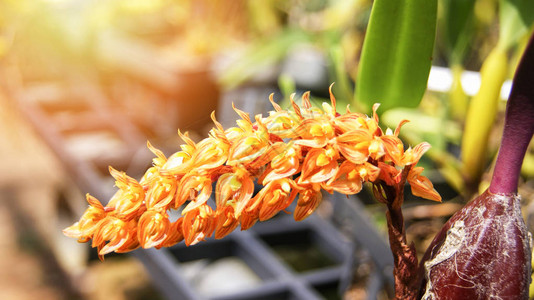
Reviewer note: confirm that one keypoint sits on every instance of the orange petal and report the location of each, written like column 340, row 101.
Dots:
column 250, row 214
column 84, row 229
column 74, row 231
column 354, row 145
column 196, row 184
column 349, row 121
column 244, row 195
column 393, row 148
column 343, row 183
column 274, row 104
column 174, row 234
column 210, row 153
column 332, row 98
column 401, row 123
column 422, row 186
column 160, row 159
column 275, row 197
column 388, row 173
column 132, row 242
column 247, row 149
column 161, row 192
column 306, row 100
column 414, row 155
column 308, row 201
column 178, row 163
column 152, row 230
column 312, row 172
column 198, row 224
column 110, row 235
column 226, row 222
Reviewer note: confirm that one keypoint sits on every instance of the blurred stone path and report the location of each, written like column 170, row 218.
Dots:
column 28, row 176
column 33, row 251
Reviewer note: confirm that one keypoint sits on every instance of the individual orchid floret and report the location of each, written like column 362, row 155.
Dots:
column 295, row 155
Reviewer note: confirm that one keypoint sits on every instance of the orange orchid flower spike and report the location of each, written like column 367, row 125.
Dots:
column 295, row 155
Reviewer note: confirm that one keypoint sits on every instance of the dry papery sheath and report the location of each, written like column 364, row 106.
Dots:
column 294, row 154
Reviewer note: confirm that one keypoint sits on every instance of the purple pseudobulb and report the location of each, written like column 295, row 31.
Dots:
column 484, row 250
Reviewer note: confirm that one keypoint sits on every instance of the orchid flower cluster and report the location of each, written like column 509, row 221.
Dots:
column 292, row 154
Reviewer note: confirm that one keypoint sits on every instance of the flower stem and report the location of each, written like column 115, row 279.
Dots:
column 518, row 127
column 404, row 256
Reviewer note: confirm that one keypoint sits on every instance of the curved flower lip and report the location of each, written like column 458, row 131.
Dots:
column 276, row 196
column 412, row 156
column 314, row 133
column 247, row 149
column 198, row 224
column 354, row 145
column 161, row 192
column 226, row 221
column 293, row 154
column 285, row 162
column 350, row 177
column 234, row 190
column 211, row 153
column 112, row 233
column 421, row 186
column 153, row 229
column 309, row 200
column 85, row 228
column 195, row 186
column 319, row 165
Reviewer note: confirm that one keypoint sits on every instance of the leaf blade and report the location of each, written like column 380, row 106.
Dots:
column 397, row 53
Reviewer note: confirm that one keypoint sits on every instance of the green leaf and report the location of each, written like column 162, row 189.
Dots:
column 342, row 87
column 260, row 56
column 515, row 18
column 287, row 86
column 457, row 24
column 397, row 53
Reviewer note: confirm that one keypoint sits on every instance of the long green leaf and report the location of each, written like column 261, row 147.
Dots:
column 515, row 19
column 397, row 53
column 457, row 24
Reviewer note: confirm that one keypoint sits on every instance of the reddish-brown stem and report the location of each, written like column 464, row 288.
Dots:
column 404, row 256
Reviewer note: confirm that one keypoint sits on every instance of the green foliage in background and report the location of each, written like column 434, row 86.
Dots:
column 397, row 53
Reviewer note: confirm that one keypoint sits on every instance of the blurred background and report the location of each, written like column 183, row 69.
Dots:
column 85, row 83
